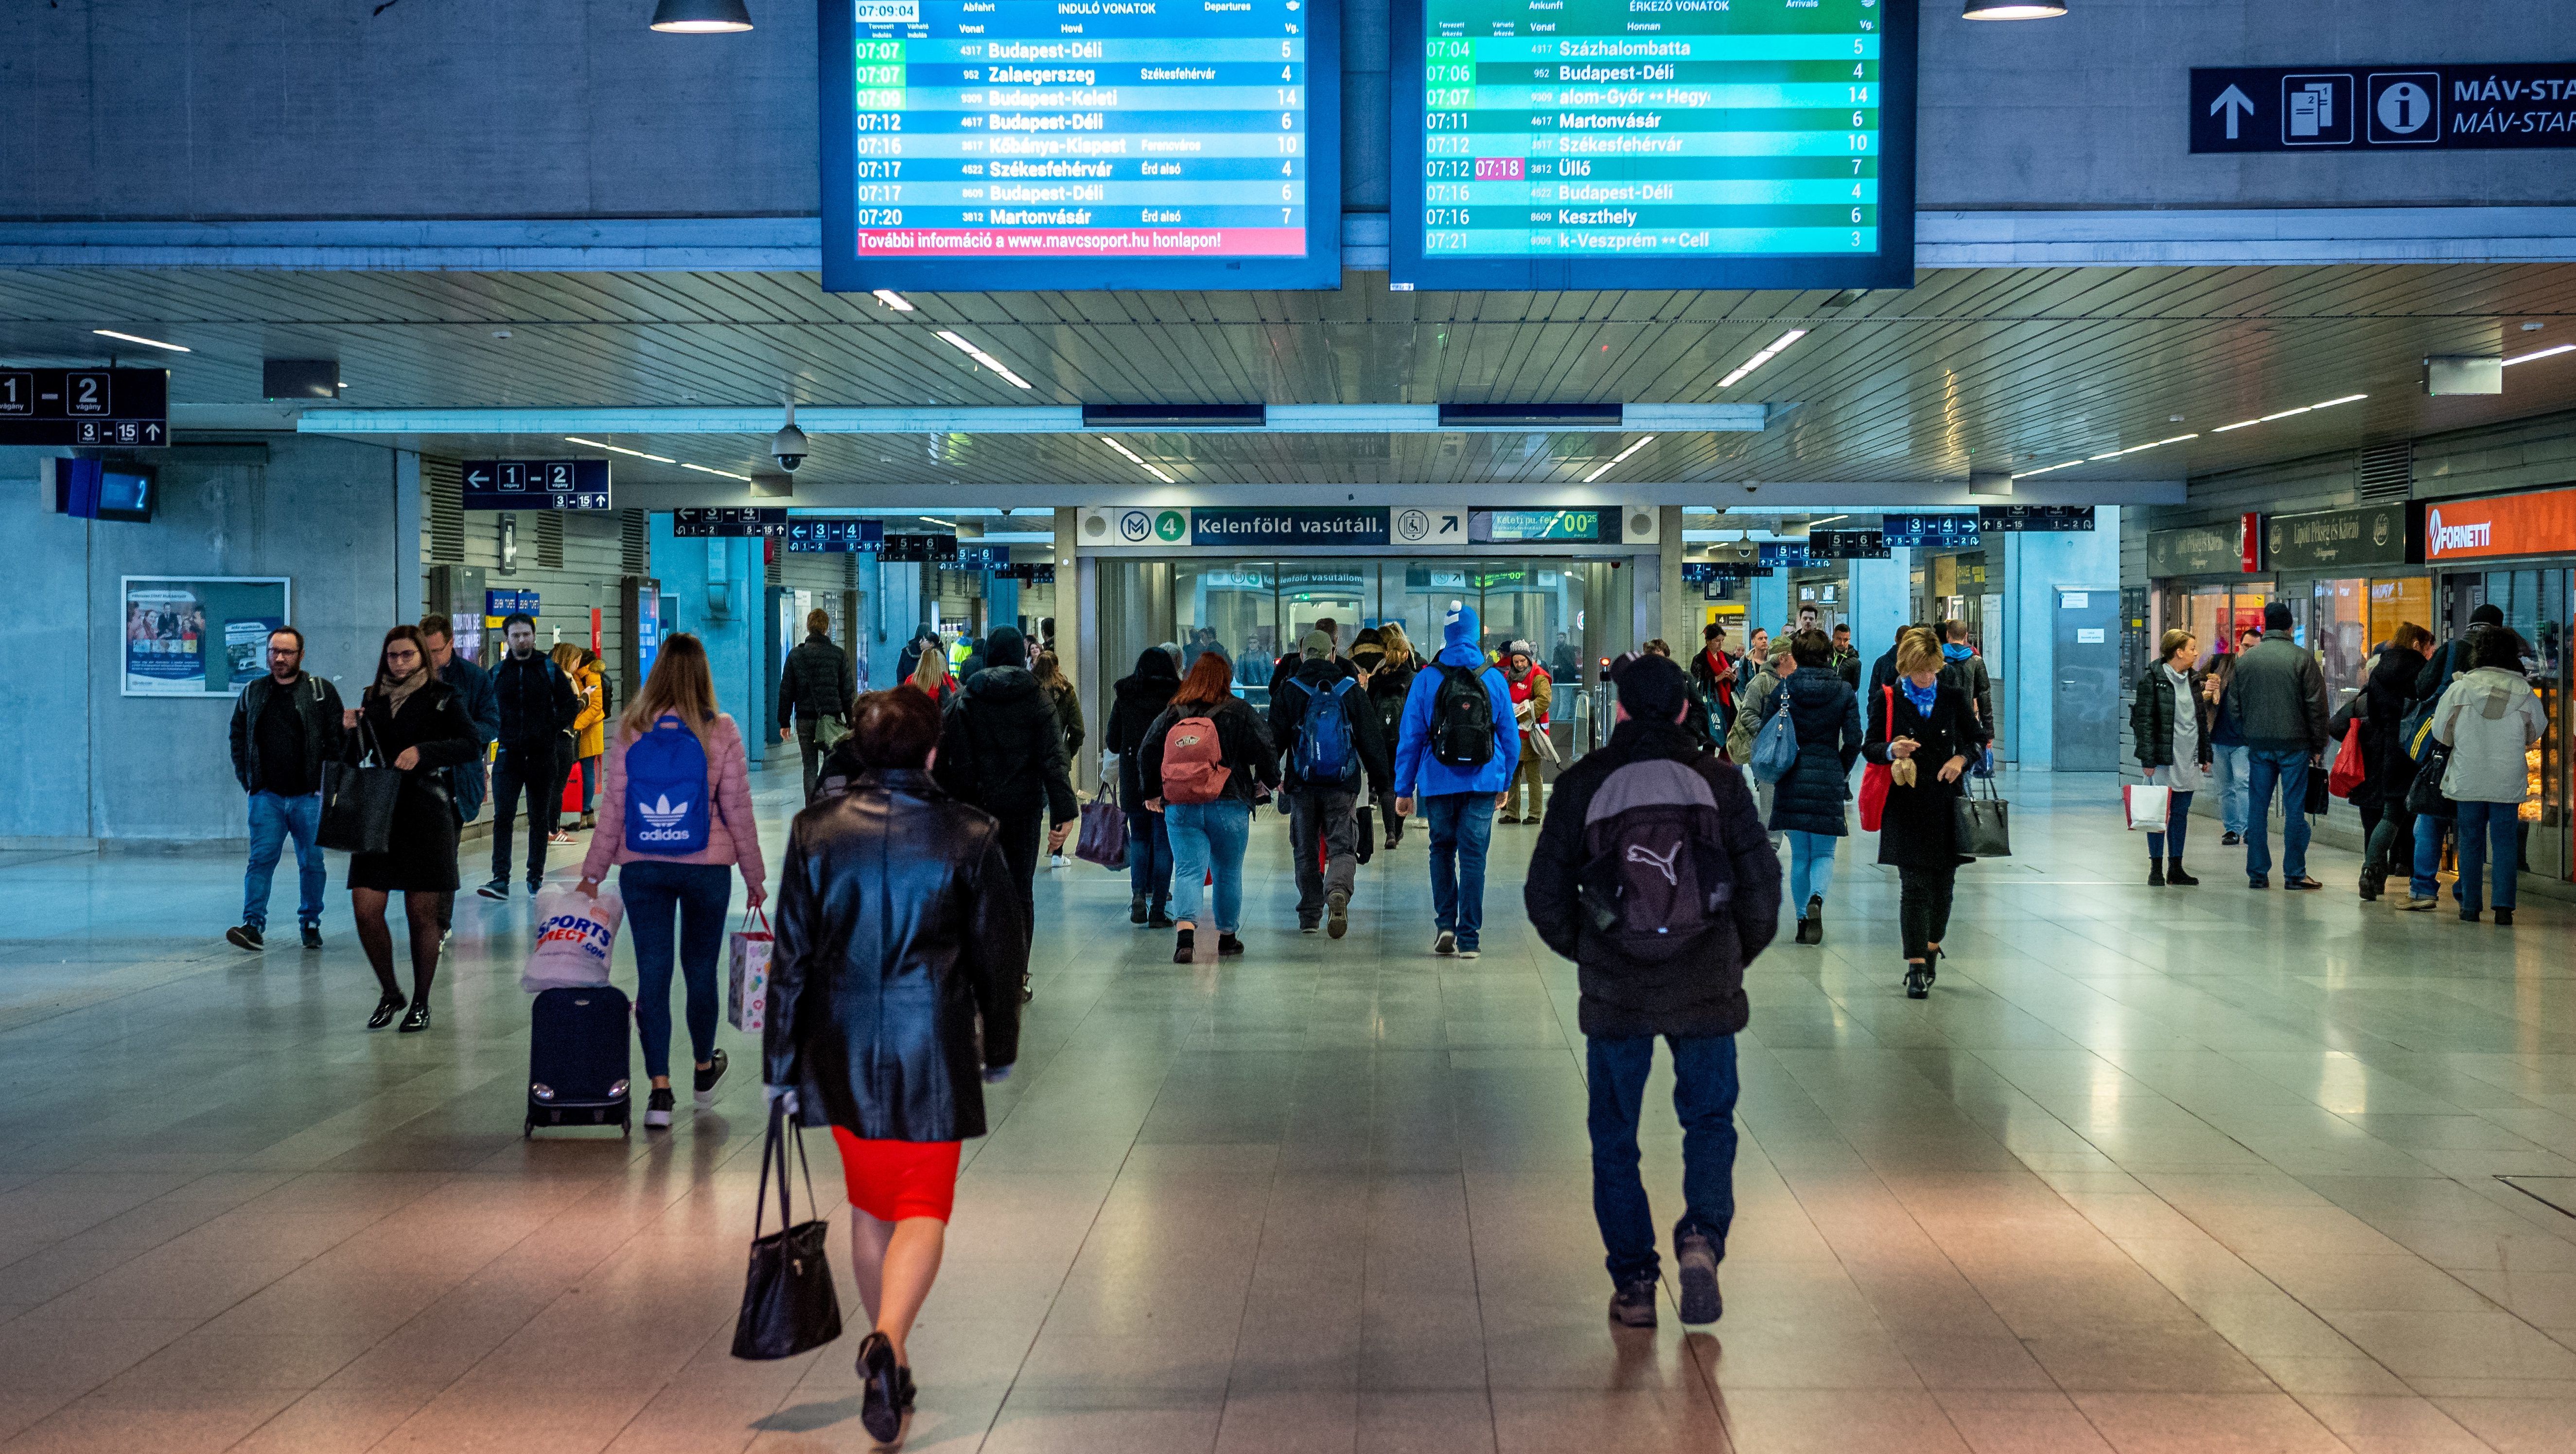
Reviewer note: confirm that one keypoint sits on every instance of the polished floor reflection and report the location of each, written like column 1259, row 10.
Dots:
column 2152, row 1170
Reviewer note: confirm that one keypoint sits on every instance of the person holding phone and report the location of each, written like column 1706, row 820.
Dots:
column 1926, row 732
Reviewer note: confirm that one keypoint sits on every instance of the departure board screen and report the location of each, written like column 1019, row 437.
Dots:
column 1004, row 144
column 1654, row 143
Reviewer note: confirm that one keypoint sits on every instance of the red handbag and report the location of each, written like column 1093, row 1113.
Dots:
column 1878, row 777
column 2348, row 773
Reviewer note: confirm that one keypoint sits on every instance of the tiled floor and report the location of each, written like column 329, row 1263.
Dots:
column 2153, row 1170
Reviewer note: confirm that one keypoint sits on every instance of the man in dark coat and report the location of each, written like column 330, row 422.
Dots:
column 537, row 703
column 1000, row 750
column 816, row 682
column 1693, row 997
column 1807, row 805
column 2277, row 699
column 1137, row 700
column 1323, row 815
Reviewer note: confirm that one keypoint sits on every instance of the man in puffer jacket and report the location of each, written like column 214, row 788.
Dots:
column 1457, row 799
column 1000, row 750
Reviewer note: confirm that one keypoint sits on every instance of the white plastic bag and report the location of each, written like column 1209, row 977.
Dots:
column 574, row 937
column 2147, row 803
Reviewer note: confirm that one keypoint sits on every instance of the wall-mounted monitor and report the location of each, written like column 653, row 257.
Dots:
column 1550, row 144
column 1001, row 145
column 127, row 492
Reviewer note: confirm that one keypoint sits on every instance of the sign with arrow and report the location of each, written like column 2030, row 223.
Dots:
column 536, row 484
column 98, row 408
column 2398, row 107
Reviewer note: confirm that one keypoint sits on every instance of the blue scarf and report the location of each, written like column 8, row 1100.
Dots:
column 1921, row 697
column 1955, row 651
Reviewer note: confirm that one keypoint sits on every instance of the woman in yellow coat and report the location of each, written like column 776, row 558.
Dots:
column 587, row 737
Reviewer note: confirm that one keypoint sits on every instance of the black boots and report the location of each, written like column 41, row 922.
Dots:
column 2175, row 876
column 1918, row 980
column 1811, row 923
column 2155, row 872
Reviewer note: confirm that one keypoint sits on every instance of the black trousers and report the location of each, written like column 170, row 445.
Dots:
column 1023, row 833
column 1923, row 903
column 531, row 771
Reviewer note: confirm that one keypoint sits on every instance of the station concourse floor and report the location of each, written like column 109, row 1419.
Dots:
column 2152, row 1170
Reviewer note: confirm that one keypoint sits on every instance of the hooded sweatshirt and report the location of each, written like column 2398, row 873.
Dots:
column 1418, row 774
column 1000, row 749
column 1139, row 700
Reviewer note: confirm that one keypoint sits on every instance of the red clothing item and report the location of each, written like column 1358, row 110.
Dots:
column 892, row 1180
column 1527, row 687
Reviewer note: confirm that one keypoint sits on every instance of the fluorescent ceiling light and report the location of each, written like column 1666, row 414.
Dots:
column 894, row 300
column 728, row 474
column 1137, row 460
column 1764, row 357
column 2179, row 438
column 1617, row 459
column 577, row 439
column 2540, row 353
column 981, row 357
column 139, row 338
column 927, row 520
column 621, row 449
column 1828, row 520
column 701, row 17
column 2012, row 9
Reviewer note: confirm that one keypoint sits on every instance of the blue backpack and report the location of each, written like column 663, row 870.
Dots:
column 666, row 791
column 1775, row 749
column 1324, row 751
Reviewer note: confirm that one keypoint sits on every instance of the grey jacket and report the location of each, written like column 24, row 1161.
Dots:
column 2490, row 717
column 2277, row 696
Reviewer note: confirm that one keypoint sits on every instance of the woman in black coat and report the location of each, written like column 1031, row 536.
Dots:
column 2388, row 772
column 2170, row 719
column 1918, row 721
column 893, row 1000
column 412, row 721
column 1807, row 805
column 1139, row 699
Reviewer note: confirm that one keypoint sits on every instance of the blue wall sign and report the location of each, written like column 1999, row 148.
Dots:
column 536, row 484
column 2403, row 106
column 1941, row 532
column 1227, row 525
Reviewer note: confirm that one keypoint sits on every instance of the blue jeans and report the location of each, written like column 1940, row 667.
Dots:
column 2177, row 828
column 2227, row 764
column 699, row 893
column 1811, row 867
column 1209, row 837
column 272, row 820
column 1704, row 1088
column 2426, row 881
column 2500, row 845
column 1149, row 856
column 2290, row 770
column 1461, row 825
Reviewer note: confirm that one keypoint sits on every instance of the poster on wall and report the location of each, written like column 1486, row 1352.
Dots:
column 188, row 636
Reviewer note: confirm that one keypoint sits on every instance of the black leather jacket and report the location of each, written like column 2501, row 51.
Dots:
column 898, row 932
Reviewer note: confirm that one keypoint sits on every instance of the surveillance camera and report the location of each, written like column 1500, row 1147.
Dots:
column 787, row 446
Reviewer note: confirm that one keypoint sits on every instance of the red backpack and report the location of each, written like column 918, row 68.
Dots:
column 1194, row 769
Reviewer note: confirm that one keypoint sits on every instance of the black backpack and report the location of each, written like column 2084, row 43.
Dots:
column 1462, row 718
column 1656, row 875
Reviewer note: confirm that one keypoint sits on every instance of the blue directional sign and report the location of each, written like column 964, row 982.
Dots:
column 536, row 484
column 834, row 537
column 1941, row 532
column 2396, row 107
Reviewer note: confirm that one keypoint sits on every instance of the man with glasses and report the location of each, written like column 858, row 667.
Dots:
column 285, row 726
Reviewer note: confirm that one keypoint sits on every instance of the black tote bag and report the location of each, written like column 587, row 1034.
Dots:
column 788, row 1305
column 1984, row 824
column 358, row 803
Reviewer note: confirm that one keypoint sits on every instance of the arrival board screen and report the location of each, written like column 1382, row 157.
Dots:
column 996, row 144
column 1655, row 143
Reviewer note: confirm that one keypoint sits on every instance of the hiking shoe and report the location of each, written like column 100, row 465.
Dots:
column 1697, row 1257
column 312, row 936
column 498, row 888
column 1444, row 942
column 657, row 1110
column 245, row 936
column 2414, row 905
column 706, row 1079
column 1337, row 913
column 1632, row 1304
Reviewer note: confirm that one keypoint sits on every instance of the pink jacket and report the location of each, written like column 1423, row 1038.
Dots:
column 732, row 835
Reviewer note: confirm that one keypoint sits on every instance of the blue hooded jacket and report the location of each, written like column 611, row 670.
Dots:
column 1420, row 775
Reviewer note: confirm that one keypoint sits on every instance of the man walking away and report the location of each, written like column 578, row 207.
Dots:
column 473, row 688
column 536, row 703
column 1654, row 876
column 1329, row 744
column 285, row 726
column 1000, row 750
column 1455, row 753
column 1961, row 667
column 2277, row 697
column 817, row 683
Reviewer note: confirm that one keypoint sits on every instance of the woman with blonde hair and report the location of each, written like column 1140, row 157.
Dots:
column 1388, row 682
column 677, row 812
column 1925, row 732
column 584, row 739
column 931, row 677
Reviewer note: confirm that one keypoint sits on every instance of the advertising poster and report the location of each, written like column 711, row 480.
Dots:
column 197, row 637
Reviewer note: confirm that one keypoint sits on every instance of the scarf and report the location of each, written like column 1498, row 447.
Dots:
column 1955, row 651
column 397, row 693
column 1921, row 697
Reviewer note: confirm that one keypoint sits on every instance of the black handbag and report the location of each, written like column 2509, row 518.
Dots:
column 2318, row 796
column 1984, row 824
column 788, row 1305
column 2424, row 795
column 358, row 802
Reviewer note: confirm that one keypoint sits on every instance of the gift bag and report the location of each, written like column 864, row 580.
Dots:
column 747, row 975
column 2147, row 804
column 788, row 1303
column 575, row 934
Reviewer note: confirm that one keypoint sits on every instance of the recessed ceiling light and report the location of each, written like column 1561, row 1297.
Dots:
column 500, row 333
column 894, row 300
column 981, row 357
column 701, row 17
column 1764, row 357
column 139, row 338
column 2012, row 10
column 2540, row 353
column 2531, row 328
column 1616, row 459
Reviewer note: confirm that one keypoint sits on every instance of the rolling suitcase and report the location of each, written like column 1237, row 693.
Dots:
column 577, row 1072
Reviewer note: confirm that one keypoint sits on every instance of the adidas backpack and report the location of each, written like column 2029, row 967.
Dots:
column 1325, row 753
column 1462, row 718
column 1194, row 769
column 1656, row 876
column 666, row 790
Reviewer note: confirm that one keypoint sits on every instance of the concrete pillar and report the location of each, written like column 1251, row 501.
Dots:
column 1766, row 604
column 1676, row 607
column 1878, row 604
column 2037, row 567
column 712, row 589
column 1077, row 640
column 409, row 582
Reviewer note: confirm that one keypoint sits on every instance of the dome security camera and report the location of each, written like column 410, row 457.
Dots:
column 788, row 445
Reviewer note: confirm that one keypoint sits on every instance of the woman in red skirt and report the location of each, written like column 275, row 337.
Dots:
column 894, row 999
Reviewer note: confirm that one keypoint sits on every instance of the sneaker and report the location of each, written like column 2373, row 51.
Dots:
column 1337, row 913
column 1310, row 928
column 498, row 888
column 1445, row 942
column 1136, row 910
column 2298, row 882
column 1697, row 1257
column 2414, row 905
column 2258, row 880
column 1228, row 947
column 1466, row 951
column 1632, row 1304
column 312, row 936
column 657, row 1108
column 2504, row 918
column 705, row 1080
column 246, row 936
column 559, row 836
column 1184, row 946
column 2231, row 840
